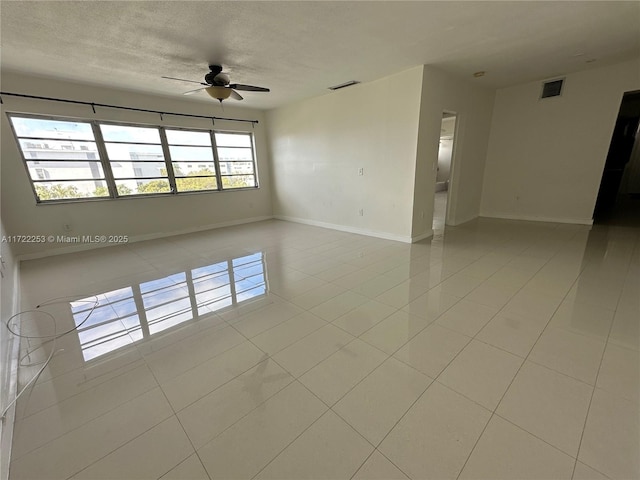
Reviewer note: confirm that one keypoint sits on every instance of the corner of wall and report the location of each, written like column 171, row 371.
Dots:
column 540, row 163
column 443, row 92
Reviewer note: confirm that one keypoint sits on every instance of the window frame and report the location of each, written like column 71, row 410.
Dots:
column 253, row 157
column 214, row 149
column 105, row 162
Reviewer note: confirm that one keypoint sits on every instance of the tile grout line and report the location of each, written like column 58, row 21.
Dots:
column 433, row 380
column 519, row 368
column 388, row 356
column 24, row 417
column 89, row 421
column 174, row 415
column 270, row 358
column 195, row 451
column 595, row 383
column 330, row 407
column 363, row 462
column 294, row 379
column 300, row 434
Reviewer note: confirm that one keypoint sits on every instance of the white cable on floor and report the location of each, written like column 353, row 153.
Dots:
column 53, row 338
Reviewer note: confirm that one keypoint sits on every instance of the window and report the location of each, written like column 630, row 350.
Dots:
column 136, row 159
column 61, row 157
column 235, row 156
column 77, row 159
column 186, row 148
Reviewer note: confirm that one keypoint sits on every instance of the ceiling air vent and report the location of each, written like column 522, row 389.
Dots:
column 552, row 88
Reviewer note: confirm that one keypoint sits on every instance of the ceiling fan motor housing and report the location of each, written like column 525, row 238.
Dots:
column 214, row 77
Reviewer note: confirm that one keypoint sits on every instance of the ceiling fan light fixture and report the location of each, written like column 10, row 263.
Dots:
column 219, row 93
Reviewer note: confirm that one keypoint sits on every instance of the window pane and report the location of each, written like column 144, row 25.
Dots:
column 194, row 184
column 237, row 154
column 215, row 269
column 233, row 140
column 59, row 150
column 138, row 169
column 121, row 133
column 160, row 283
column 236, row 168
column 182, row 137
column 140, row 187
column 70, row 190
column 64, row 170
column 240, row 181
column 168, row 294
column 249, row 276
column 184, row 169
column 128, row 151
column 191, row 153
column 41, row 128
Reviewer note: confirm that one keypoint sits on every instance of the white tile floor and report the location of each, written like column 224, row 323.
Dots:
column 274, row 350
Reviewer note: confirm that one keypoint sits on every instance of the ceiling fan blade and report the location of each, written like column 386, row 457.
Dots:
column 184, row 80
column 236, row 95
column 191, row 92
column 248, row 88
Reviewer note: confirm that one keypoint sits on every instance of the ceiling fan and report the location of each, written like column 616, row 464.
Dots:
column 216, row 83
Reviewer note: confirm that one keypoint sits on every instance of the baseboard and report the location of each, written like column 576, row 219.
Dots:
column 79, row 247
column 530, row 218
column 417, row 238
column 457, row 222
column 345, row 228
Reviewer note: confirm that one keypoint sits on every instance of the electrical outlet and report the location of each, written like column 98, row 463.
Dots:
column 361, row 171
column 361, row 212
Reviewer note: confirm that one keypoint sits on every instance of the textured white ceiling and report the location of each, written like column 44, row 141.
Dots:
column 299, row 48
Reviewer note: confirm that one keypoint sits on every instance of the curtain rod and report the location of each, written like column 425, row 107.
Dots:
column 93, row 105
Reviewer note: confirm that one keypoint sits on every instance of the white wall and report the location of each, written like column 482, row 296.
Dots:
column 318, row 145
column 473, row 105
column 546, row 157
column 8, row 350
column 136, row 217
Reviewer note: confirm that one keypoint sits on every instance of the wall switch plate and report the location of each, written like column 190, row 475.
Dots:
column 361, row 171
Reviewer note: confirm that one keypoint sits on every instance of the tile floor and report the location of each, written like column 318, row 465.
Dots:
column 497, row 349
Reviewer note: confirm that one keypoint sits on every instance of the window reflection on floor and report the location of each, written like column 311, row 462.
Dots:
column 137, row 312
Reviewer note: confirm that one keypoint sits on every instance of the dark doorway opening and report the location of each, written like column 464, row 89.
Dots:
column 619, row 195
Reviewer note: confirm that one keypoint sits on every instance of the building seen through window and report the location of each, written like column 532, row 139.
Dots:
column 77, row 159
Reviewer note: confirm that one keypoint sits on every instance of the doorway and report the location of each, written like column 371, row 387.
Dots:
column 443, row 170
column 618, row 201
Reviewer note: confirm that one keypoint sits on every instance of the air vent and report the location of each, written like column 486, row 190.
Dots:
column 344, row 85
column 552, row 88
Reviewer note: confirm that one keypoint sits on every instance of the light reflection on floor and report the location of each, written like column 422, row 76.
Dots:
column 496, row 349
column 136, row 312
